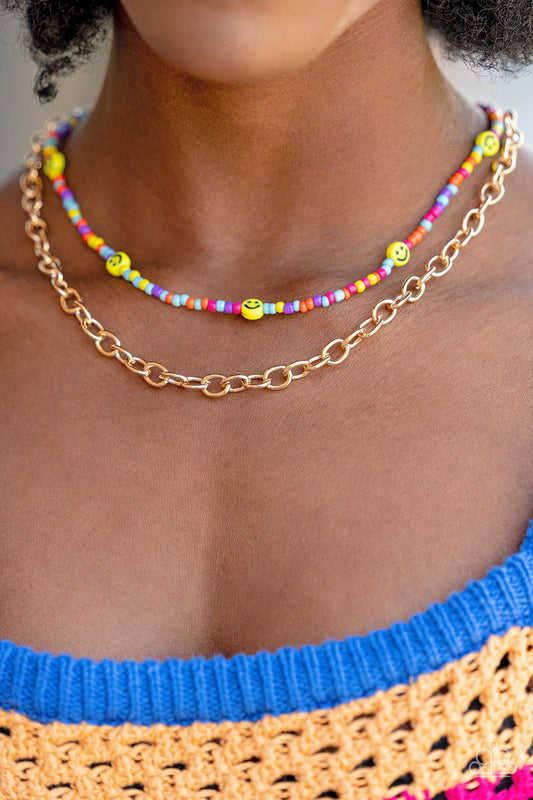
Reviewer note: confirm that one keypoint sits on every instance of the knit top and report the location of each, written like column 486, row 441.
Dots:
column 440, row 703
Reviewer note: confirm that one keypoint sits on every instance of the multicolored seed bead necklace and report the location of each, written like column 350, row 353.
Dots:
column 280, row 376
column 118, row 263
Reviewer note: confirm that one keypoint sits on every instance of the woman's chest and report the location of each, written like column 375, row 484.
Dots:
column 132, row 528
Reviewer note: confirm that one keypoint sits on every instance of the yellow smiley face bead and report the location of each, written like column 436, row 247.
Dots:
column 117, row 263
column 252, row 309
column 54, row 165
column 399, row 253
column 489, row 142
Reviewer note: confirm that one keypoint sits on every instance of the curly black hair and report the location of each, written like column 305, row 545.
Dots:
column 64, row 33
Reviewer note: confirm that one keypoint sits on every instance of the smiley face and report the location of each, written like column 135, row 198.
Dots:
column 252, row 309
column 54, row 165
column 489, row 142
column 117, row 263
column 399, row 252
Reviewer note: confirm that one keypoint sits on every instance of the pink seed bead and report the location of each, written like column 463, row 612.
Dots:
column 237, row 308
column 352, row 288
column 366, row 282
column 381, row 272
column 330, row 296
column 212, row 305
column 408, row 244
column 463, row 171
column 430, row 216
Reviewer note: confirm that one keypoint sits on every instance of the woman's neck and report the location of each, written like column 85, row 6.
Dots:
column 248, row 186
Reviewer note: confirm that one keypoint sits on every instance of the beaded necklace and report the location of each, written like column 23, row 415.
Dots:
column 398, row 253
column 277, row 377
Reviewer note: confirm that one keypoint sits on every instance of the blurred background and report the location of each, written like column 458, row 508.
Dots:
column 21, row 113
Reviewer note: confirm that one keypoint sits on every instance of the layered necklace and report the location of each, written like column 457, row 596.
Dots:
column 501, row 140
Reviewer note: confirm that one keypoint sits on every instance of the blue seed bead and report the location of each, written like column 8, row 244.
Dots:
column 325, row 301
column 339, row 295
column 149, row 288
column 296, row 305
column 163, row 295
column 266, row 308
column 126, row 274
column 443, row 200
column 136, row 281
column 220, row 305
column 425, row 223
column 70, row 205
column 184, row 298
column 387, row 262
column 106, row 252
column 198, row 304
column 478, row 149
column 49, row 143
column 75, row 218
column 176, row 300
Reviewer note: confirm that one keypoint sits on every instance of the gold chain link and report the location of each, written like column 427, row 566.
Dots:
column 277, row 377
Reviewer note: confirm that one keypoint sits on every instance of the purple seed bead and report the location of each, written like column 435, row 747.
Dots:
column 446, row 192
column 288, row 308
column 317, row 300
column 439, row 206
column 156, row 291
column 83, row 229
column 228, row 308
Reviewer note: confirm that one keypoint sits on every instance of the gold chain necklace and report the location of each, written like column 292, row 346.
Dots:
column 278, row 377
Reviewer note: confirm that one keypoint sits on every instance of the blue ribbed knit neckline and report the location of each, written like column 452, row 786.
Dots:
column 246, row 687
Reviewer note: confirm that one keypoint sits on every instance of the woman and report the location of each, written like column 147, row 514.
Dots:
column 269, row 150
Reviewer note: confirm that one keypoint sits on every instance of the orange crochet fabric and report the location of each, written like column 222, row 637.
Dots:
column 473, row 717
column 438, row 706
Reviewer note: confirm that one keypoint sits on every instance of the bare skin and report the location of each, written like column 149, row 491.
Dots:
column 139, row 523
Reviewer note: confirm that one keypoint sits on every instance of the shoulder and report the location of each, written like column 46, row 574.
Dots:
column 17, row 259
column 509, row 233
column 16, row 251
